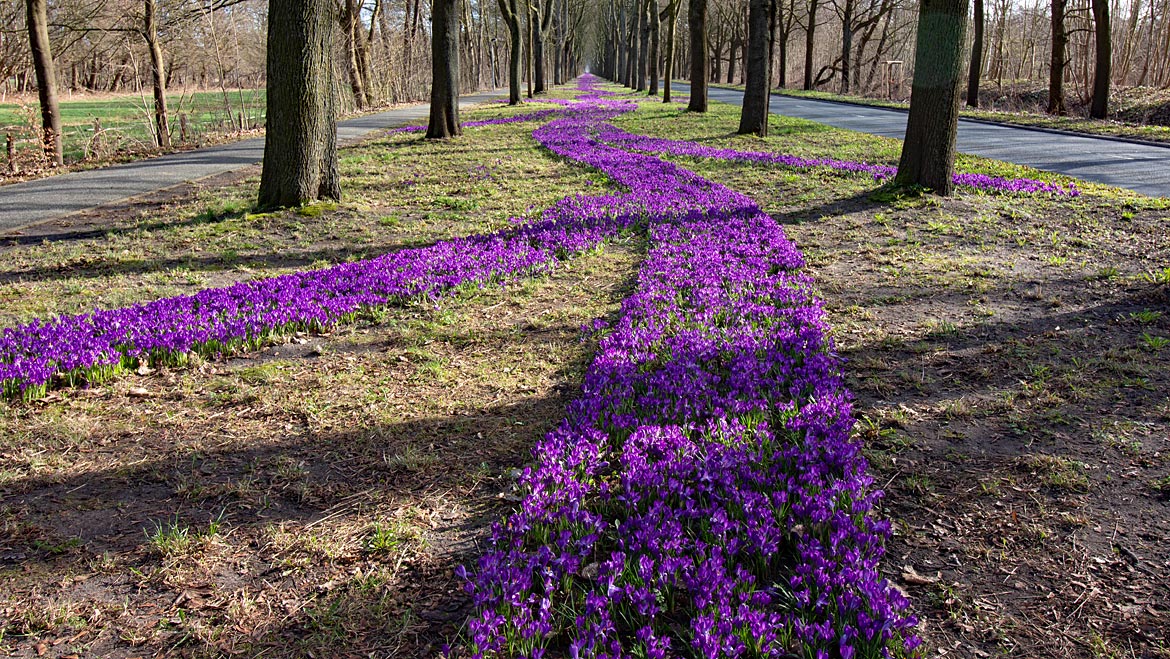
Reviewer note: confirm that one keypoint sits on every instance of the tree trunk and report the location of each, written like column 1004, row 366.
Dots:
column 365, row 59
column 783, row 32
column 1102, row 70
column 444, row 121
column 652, row 59
column 643, row 45
column 976, row 58
column 698, row 28
column 1056, row 64
column 559, row 59
column 530, row 37
column 928, row 154
column 623, row 47
column 351, row 25
column 671, row 27
column 538, row 81
column 809, row 35
column 754, row 117
column 846, row 44
column 640, row 38
column 42, row 55
column 300, row 145
column 510, row 9
column 162, row 127
column 732, row 55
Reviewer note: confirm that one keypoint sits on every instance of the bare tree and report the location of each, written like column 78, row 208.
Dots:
column 1104, row 65
column 975, row 71
column 754, row 116
column 510, row 10
column 697, row 23
column 162, row 129
column 353, row 31
column 809, row 42
column 42, row 56
column 786, row 20
column 655, row 17
column 671, row 18
column 1058, row 60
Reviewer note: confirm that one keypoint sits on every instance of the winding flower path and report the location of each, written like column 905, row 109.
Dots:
column 703, row 496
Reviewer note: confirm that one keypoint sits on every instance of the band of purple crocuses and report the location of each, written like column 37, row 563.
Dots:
column 702, row 497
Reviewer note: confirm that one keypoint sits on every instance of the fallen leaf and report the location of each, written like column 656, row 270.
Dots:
column 911, row 576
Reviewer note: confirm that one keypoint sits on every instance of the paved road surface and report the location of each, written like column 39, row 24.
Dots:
column 1139, row 167
column 22, row 204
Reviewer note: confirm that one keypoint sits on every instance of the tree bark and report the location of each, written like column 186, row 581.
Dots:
column 655, row 40
column 975, row 72
column 928, row 154
column 510, row 9
column 300, row 145
column 637, row 63
column 444, row 121
column 754, row 116
column 42, row 55
column 350, row 20
column 623, row 48
column 1103, row 69
column 809, row 36
column 1056, row 64
column 162, row 127
column 846, row 44
column 732, row 56
column 784, row 29
column 697, row 19
column 643, row 44
column 539, row 29
column 530, row 35
column 671, row 27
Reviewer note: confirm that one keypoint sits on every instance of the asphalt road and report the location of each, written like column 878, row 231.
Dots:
column 24, row 204
column 1139, row 167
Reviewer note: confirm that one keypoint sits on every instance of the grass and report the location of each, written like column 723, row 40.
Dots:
column 126, row 120
column 1009, row 405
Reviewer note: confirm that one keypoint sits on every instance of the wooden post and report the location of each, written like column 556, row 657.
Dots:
column 183, row 127
column 12, row 168
column 97, row 134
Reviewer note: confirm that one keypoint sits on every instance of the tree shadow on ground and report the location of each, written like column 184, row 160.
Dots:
column 295, row 564
column 1025, row 449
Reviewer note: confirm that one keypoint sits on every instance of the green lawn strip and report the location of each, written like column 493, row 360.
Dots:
column 126, row 119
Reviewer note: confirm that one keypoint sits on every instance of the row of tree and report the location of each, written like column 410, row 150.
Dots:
column 300, row 151
column 635, row 42
column 380, row 52
column 928, row 152
column 866, row 46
